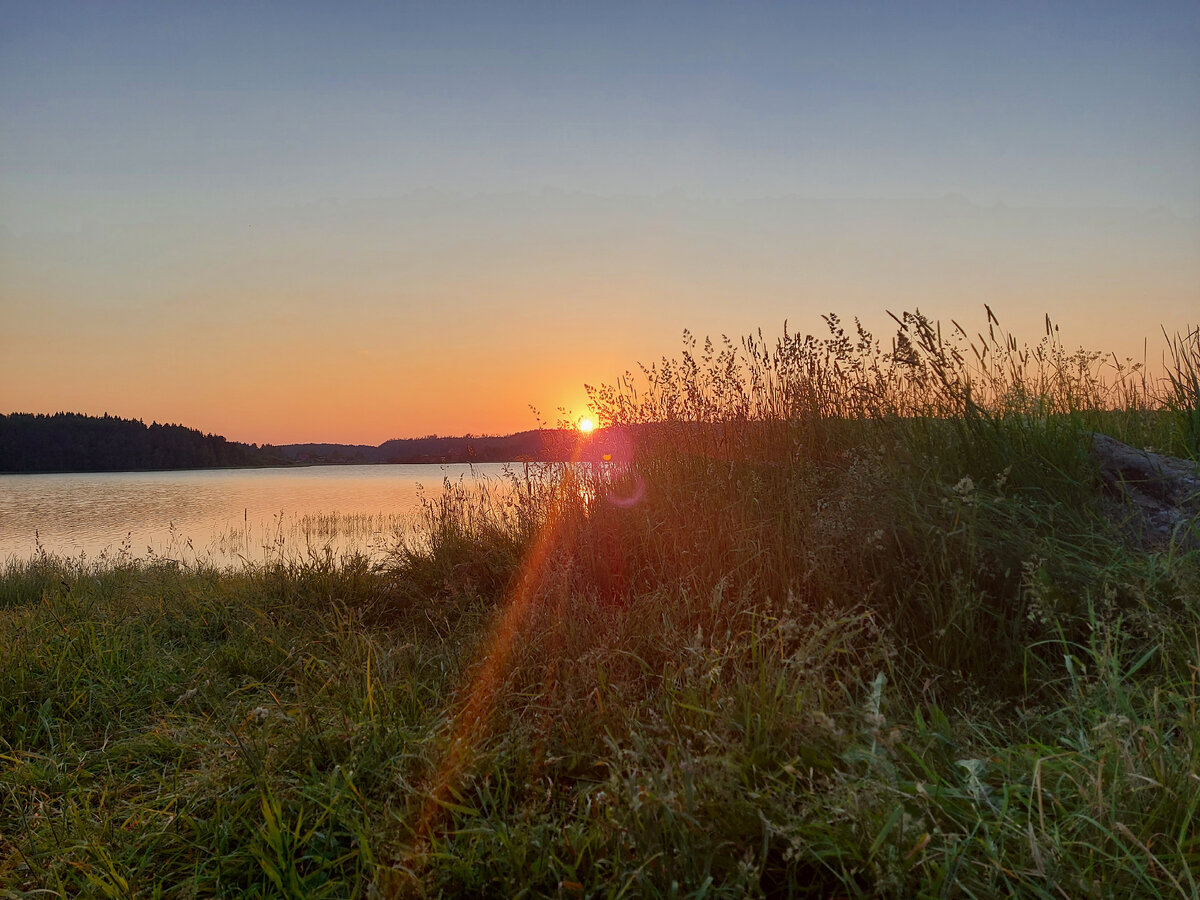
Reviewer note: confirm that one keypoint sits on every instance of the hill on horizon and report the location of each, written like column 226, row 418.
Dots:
column 522, row 445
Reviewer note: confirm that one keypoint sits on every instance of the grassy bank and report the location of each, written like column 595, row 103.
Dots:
column 849, row 622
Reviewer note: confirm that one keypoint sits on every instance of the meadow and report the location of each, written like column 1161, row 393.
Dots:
column 851, row 619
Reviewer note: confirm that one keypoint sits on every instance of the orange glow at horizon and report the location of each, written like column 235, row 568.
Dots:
column 316, row 334
column 586, row 425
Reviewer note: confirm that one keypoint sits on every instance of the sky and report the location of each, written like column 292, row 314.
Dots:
column 288, row 222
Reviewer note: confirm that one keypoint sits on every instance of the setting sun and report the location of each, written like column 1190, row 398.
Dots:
column 587, row 426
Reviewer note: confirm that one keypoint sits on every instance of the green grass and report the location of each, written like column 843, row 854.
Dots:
column 869, row 627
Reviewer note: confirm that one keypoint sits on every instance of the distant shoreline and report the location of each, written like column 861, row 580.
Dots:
column 296, row 465
column 72, row 443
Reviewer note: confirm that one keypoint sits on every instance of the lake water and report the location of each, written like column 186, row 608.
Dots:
column 219, row 515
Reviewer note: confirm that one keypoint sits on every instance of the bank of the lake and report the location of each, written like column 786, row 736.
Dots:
column 881, row 655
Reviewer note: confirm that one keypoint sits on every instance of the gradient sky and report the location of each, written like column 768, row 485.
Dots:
column 349, row 222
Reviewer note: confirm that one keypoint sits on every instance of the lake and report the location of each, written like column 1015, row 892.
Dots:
column 221, row 516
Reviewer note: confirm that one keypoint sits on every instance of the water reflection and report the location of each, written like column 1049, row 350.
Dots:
column 220, row 516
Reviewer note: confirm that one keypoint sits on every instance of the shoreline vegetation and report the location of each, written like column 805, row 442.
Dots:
column 851, row 619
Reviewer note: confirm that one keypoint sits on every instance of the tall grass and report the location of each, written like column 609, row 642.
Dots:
column 1182, row 396
column 847, row 621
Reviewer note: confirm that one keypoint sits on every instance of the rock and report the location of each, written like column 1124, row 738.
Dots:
column 1164, row 490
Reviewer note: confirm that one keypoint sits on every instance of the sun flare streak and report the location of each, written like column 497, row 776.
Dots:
column 482, row 691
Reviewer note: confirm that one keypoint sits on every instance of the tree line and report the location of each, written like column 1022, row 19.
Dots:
column 72, row 442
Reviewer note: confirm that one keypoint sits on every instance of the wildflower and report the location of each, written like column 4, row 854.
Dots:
column 1002, row 478
column 965, row 490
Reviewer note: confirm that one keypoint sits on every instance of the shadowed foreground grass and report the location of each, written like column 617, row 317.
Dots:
column 846, row 623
